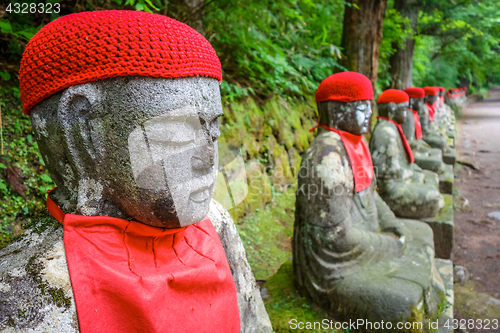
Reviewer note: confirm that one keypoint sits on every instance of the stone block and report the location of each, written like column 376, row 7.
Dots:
column 443, row 227
column 446, row 180
column 445, row 269
column 450, row 156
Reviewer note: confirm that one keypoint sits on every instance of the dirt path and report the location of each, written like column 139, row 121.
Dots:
column 477, row 236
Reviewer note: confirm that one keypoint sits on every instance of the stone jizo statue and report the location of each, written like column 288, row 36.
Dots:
column 426, row 157
column 410, row 191
column 445, row 117
column 351, row 255
column 125, row 108
column 431, row 132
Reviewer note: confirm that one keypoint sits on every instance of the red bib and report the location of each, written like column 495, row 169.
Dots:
column 359, row 156
column 418, row 125
column 432, row 111
column 128, row 277
column 409, row 153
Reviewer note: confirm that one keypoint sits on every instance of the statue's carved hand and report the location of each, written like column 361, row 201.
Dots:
column 400, row 230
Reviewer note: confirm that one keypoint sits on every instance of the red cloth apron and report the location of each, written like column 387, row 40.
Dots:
column 359, row 156
column 418, row 125
column 432, row 110
column 409, row 153
column 130, row 277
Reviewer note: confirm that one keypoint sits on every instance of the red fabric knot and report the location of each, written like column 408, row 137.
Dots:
column 393, row 96
column 406, row 145
column 418, row 125
column 90, row 46
column 432, row 110
column 130, row 277
column 359, row 156
column 415, row 92
column 345, row 87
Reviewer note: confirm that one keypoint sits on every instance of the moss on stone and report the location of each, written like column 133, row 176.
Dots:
column 446, row 214
column 272, row 136
column 33, row 269
column 266, row 234
column 285, row 304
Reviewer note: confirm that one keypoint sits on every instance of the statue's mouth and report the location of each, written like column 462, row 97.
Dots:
column 201, row 195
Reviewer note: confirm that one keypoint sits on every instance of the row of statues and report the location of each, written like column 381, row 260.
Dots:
column 125, row 108
column 356, row 253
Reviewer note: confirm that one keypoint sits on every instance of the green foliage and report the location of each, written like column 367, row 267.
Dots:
column 21, row 167
column 266, row 47
column 274, row 47
column 459, row 44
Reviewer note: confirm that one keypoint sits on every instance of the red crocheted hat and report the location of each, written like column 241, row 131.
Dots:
column 90, row 46
column 441, row 89
column 393, row 96
column 431, row 91
column 415, row 92
column 345, row 87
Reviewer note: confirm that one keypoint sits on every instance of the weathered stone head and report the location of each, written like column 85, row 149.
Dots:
column 127, row 126
column 431, row 94
column 442, row 91
column 417, row 96
column 350, row 109
column 393, row 104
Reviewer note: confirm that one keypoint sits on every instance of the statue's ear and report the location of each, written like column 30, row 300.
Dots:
column 391, row 107
column 79, row 104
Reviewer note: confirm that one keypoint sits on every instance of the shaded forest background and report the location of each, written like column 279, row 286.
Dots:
column 274, row 54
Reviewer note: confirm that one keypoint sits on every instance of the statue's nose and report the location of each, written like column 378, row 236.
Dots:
column 203, row 158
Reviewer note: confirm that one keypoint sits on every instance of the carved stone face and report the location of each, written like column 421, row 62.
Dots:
column 352, row 117
column 400, row 112
column 431, row 99
column 396, row 112
column 138, row 148
column 416, row 103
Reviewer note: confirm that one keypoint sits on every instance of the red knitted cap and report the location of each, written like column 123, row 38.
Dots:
column 90, row 46
column 431, row 91
column 441, row 89
column 345, row 87
column 393, row 96
column 415, row 92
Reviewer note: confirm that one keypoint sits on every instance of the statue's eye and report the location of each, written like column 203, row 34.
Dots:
column 173, row 132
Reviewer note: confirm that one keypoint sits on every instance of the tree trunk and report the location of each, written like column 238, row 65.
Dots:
column 401, row 62
column 195, row 8
column 362, row 35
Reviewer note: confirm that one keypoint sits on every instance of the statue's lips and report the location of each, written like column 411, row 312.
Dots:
column 200, row 195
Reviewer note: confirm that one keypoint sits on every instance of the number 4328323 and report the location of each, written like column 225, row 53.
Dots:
column 33, row 8
column 463, row 324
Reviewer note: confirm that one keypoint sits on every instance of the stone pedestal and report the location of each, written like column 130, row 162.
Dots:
column 446, row 180
column 445, row 269
column 443, row 227
column 450, row 156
